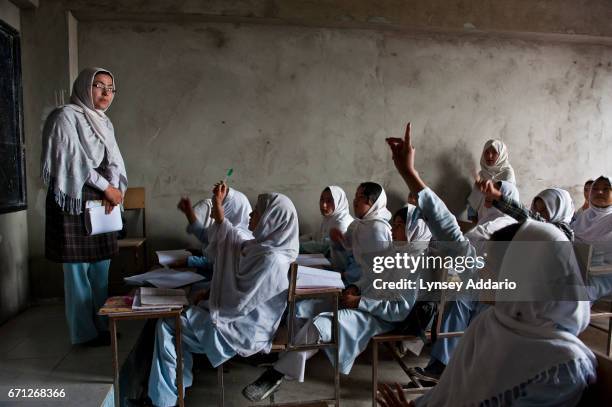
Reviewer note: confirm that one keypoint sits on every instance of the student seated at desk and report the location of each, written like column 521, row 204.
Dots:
column 236, row 207
column 494, row 166
column 552, row 205
column 374, row 311
column 459, row 313
column 369, row 232
column 594, row 226
column 586, row 191
column 334, row 209
column 248, row 293
column 514, row 353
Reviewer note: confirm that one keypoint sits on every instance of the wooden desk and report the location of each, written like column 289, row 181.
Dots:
column 125, row 313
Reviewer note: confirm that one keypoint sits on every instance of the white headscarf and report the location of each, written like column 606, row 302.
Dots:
column 69, row 153
column 340, row 218
column 416, row 228
column 248, row 291
column 559, row 204
column 237, row 208
column 202, row 210
column 521, row 341
column 501, row 170
column 594, row 224
column 371, row 234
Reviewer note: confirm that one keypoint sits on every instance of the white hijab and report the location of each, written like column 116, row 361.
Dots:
column 501, row 170
column 594, row 224
column 202, row 210
column 340, row 218
column 249, row 287
column 237, row 208
column 559, row 204
column 416, row 228
column 519, row 342
column 370, row 235
column 69, row 154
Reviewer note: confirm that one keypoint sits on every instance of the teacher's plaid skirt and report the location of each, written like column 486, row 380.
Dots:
column 66, row 240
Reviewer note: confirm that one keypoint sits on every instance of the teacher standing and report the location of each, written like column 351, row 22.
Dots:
column 81, row 162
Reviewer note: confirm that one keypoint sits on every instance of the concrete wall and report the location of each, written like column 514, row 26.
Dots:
column 292, row 109
column 295, row 96
column 14, row 281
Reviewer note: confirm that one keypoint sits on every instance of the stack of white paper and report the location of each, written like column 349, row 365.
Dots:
column 152, row 299
column 167, row 257
column 313, row 260
column 97, row 221
column 165, row 278
column 309, row 277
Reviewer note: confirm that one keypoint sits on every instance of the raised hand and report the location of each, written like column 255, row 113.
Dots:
column 184, row 205
column 219, row 194
column 403, row 154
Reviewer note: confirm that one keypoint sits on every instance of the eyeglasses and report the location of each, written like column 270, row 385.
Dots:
column 104, row 88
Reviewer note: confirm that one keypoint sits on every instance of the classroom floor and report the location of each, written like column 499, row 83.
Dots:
column 35, row 353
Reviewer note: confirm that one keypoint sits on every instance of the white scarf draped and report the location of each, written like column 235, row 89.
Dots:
column 519, row 342
column 559, row 204
column 340, row 218
column 237, row 208
column 416, row 228
column 370, row 235
column 249, row 285
column 501, row 170
column 594, row 224
column 69, row 153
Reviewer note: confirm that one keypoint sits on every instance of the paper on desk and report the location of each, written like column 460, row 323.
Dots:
column 167, row 257
column 309, row 277
column 165, row 278
column 98, row 222
column 312, row 260
column 137, row 305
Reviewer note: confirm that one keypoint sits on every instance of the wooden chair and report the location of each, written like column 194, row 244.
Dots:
column 134, row 200
column 389, row 338
column 599, row 394
column 600, row 309
column 283, row 341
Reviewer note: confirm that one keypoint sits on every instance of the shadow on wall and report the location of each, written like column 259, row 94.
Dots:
column 454, row 185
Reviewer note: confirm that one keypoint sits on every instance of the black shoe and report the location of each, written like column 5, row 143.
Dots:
column 424, row 376
column 265, row 385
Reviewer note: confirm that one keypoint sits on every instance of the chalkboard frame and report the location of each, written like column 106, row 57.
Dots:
column 19, row 202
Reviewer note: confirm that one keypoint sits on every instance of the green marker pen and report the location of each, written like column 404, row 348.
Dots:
column 229, row 174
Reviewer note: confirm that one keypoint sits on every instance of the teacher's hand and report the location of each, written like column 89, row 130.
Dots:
column 113, row 195
column 108, row 206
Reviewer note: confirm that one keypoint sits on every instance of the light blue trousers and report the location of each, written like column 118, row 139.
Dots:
column 85, row 290
column 163, row 389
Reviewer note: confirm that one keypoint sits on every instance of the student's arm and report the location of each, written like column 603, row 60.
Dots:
column 219, row 194
column 506, row 204
column 439, row 219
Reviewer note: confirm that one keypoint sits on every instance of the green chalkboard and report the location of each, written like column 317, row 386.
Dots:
column 12, row 147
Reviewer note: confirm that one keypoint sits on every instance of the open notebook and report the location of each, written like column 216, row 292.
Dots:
column 313, row 260
column 310, row 277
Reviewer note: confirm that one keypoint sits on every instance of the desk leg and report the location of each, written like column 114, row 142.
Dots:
column 179, row 360
column 336, row 336
column 113, row 335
